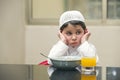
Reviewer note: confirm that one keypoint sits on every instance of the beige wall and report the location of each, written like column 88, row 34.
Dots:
column 12, row 31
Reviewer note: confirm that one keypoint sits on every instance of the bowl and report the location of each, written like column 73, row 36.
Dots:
column 66, row 62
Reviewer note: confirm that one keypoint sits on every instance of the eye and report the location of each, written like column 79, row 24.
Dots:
column 78, row 32
column 68, row 33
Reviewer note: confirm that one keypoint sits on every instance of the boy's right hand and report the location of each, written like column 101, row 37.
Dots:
column 62, row 37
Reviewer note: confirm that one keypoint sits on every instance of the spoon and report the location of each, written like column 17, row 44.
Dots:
column 45, row 55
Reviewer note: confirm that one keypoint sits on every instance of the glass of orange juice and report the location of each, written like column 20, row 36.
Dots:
column 88, row 63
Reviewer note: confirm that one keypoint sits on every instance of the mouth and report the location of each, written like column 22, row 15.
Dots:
column 74, row 43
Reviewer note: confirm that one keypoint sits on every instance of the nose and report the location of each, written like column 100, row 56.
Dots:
column 74, row 37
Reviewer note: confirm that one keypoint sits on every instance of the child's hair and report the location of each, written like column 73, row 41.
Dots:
column 73, row 22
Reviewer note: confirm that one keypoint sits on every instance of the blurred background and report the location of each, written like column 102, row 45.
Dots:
column 28, row 27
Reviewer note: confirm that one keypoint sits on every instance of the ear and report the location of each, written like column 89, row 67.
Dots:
column 85, row 31
column 61, row 31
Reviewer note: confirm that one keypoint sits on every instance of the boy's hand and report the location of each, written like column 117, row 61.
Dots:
column 86, row 36
column 62, row 37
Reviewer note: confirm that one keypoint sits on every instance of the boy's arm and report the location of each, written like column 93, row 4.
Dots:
column 58, row 49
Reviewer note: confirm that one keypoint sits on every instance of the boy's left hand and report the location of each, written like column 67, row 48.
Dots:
column 86, row 36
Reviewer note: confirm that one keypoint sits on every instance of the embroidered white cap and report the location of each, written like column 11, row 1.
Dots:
column 69, row 16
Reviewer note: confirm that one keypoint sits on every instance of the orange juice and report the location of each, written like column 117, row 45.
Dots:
column 88, row 61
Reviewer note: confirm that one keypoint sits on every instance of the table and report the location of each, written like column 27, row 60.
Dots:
column 40, row 72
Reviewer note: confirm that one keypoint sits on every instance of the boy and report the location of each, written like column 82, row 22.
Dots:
column 73, row 36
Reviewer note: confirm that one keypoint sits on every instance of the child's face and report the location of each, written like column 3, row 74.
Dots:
column 73, row 34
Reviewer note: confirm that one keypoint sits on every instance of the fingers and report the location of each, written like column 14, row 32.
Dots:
column 62, row 37
column 85, row 36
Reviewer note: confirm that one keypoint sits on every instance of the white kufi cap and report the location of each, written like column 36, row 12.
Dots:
column 69, row 16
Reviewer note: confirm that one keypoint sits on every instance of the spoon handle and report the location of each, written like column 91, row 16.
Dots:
column 44, row 55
